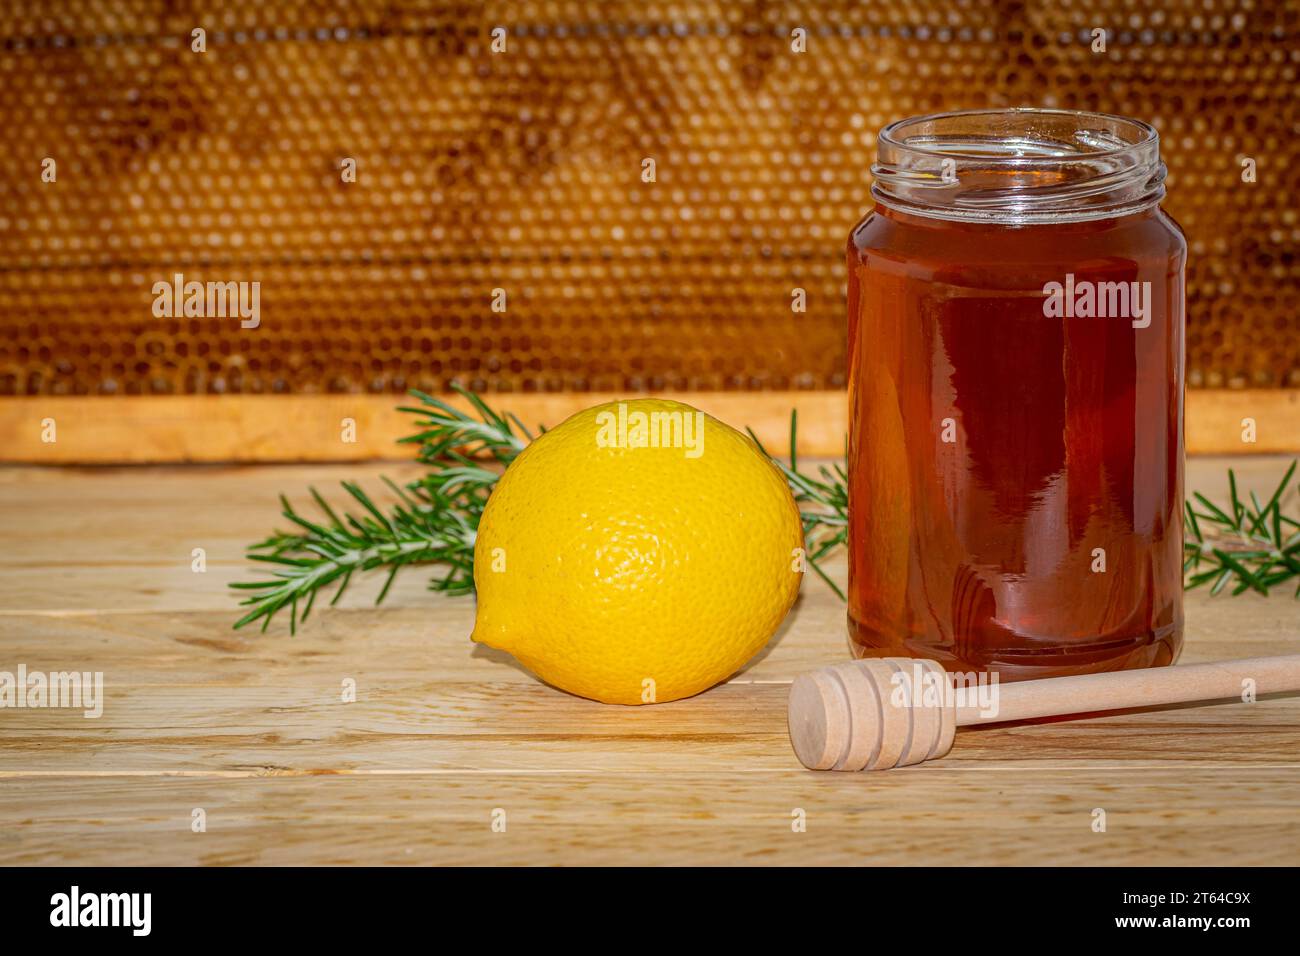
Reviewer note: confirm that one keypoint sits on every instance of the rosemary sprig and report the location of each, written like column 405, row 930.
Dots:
column 425, row 526
column 823, row 503
column 448, row 434
column 1247, row 547
column 434, row 521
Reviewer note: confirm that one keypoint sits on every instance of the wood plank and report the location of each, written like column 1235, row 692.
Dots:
column 920, row 815
column 270, row 428
column 251, row 727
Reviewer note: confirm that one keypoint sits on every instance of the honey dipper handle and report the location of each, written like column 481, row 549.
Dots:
column 1055, row 696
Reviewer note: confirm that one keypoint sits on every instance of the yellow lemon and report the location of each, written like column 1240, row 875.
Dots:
column 641, row 551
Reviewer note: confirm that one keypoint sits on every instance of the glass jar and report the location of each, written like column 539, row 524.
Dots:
column 1016, row 397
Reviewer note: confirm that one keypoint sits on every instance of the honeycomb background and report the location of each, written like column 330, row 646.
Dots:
column 522, row 170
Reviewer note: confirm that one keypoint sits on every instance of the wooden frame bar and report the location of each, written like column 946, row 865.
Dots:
column 262, row 428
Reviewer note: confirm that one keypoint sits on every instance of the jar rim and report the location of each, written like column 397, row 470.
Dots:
column 1018, row 165
column 1150, row 136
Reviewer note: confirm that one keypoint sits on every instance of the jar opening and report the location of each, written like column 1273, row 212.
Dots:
column 1018, row 166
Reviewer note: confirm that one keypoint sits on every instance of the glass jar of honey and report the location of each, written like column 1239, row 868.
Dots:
column 1016, row 397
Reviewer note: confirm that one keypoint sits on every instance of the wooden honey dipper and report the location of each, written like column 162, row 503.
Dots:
column 860, row 716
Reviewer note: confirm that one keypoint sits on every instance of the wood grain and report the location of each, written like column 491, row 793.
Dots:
column 95, row 575
column 281, row 428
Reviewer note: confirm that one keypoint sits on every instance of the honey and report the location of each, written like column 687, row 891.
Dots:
column 1016, row 397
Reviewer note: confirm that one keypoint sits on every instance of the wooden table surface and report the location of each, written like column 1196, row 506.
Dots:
column 444, row 737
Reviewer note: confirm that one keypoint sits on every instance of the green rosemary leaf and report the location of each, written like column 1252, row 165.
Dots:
column 311, row 599
column 523, row 429
column 313, row 530
column 399, row 491
column 825, row 577
column 1259, row 518
column 355, row 491
column 383, row 593
column 280, row 559
column 323, row 505
column 1224, row 575
column 1251, row 547
column 794, row 437
column 347, row 579
column 1282, row 485
column 1245, row 574
column 1214, row 509
column 248, row 618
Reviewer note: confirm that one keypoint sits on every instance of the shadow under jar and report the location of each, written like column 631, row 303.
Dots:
column 1016, row 397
